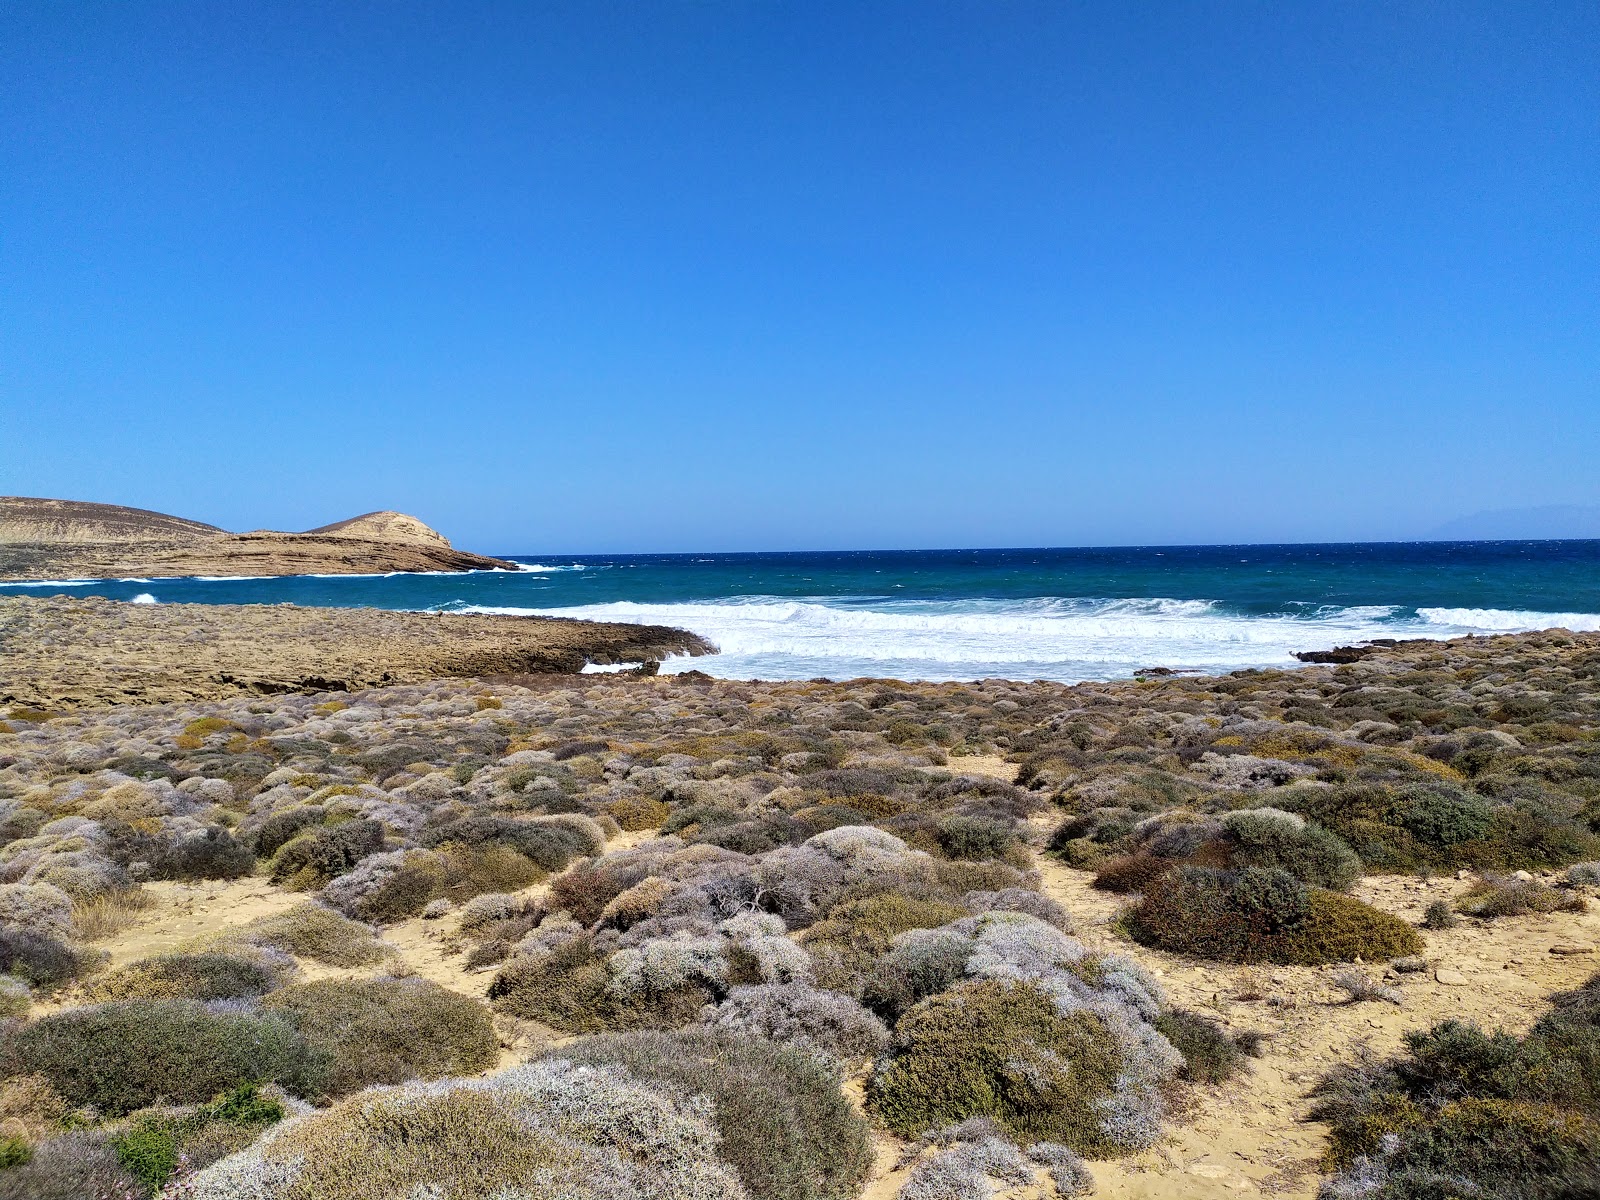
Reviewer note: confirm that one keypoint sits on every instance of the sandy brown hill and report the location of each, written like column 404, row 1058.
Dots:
column 54, row 539
column 30, row 519
column 385, row 526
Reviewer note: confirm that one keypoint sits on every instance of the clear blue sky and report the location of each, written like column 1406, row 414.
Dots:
column 751, row 275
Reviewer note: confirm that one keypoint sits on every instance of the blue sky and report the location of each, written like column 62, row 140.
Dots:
column 721, row 275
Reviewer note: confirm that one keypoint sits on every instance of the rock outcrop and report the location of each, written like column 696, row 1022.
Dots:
column 75, row 652
column 57, row 539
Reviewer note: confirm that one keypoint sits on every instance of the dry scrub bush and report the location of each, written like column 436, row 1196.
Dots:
column 78, row 1165
column 1002, row 1051
column 974, row 1161
column 560, row 977
column 103, row 916
column 1098, row 1007
column 1210, row 1053
column 374, row 1031
column 785, row 1126
column 804, row 1017
column 310, row 931
column 124, row 1055
column 37, row 907
column 40, row 960
column 207, row 975
column 1499, row 896
column 1257, row 915
column 542, row 1130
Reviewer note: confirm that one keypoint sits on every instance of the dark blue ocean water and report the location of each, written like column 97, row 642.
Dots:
column 958, row 614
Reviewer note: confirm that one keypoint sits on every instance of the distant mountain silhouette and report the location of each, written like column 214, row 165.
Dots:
column 1554, row 521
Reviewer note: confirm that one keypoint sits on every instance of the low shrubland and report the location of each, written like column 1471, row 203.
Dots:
column 1473, row 1114
column 824, row 877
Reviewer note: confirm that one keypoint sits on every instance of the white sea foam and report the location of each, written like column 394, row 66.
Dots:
column 52, row 583
column 1499, row 620
column 1064, row 639
column 144, row 598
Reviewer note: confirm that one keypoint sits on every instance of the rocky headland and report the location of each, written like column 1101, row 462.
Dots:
column 74, row 539
column 60, row 652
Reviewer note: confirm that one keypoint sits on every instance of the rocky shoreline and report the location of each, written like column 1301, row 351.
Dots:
column 235, row 554
column 68, row 653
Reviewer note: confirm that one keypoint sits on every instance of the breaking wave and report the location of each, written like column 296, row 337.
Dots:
column 1062, row 639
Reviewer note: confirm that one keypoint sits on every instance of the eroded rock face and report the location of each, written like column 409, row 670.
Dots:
column 47, row 539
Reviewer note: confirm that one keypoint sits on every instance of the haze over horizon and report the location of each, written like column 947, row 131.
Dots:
column 596, row 279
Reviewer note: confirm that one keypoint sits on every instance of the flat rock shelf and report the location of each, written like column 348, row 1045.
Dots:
column 72, row 653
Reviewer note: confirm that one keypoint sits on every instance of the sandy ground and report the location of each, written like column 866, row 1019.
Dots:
column 1246, row 1137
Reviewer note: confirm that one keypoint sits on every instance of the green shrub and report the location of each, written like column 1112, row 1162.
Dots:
column 859, row 932
column 375, row 1031
column 212, row 855
column 276, row 831
column 1438, row 915
column 312, row 931
column 14, row 1151
column 786, row 1127
column 124, row 1055
column 550, row 843
column 149, row 1152
column 208, row 975
column 311, row 859
column 39, row 959
column 1441, row 816
column 1310, row 853
column 975, row 837
column 156, row 1140
column 1467, row 1113
column 1257, row 915
column 1002, row 1051
column 1210, row 1053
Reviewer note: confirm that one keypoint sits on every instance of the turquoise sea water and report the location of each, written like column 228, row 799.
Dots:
column 1066, row 614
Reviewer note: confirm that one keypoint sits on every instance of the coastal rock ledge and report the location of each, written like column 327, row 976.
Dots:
column 75, row 539
column 77, row 652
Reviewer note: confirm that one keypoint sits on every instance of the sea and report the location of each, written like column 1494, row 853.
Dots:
column 1058, row 614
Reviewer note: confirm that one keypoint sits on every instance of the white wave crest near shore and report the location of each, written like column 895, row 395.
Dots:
column 1070, row 640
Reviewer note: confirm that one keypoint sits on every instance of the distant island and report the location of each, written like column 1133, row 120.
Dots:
column 60, row 539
